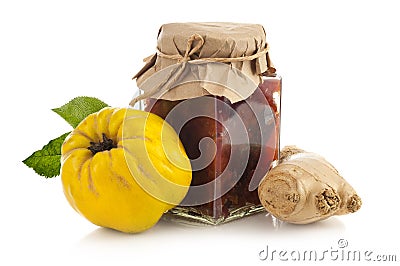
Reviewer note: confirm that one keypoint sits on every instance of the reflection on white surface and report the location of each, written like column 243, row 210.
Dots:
column 259, row 225
column 238, row 241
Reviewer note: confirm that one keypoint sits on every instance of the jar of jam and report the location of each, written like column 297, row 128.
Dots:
column 215, row 85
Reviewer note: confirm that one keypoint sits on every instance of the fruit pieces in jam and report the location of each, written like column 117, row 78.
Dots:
column 231, row 148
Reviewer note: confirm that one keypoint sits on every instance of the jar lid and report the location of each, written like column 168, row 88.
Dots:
column 236, row 47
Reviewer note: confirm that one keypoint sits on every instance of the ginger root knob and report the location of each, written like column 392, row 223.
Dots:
column 305, row 188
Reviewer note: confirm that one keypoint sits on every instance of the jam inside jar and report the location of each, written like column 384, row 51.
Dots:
column 231, row 147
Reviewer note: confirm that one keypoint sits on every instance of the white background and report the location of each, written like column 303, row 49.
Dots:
column 340, row 66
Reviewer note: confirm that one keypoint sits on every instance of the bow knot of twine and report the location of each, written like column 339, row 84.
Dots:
column 182, row 60
column 189, row 50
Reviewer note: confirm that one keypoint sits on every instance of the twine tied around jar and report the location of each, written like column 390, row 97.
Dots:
column 182, row 60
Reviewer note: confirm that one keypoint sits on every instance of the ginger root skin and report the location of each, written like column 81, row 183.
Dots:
column 304, row 188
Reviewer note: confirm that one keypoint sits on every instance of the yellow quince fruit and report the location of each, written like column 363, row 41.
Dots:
column 123, row 168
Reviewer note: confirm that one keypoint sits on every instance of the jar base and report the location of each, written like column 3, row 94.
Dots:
column 191, row 216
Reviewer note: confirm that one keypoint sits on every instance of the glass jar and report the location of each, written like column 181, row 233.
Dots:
column 215, row 85
column 239, row 162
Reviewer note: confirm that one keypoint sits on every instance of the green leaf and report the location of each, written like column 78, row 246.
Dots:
column 79, row 108
column 47, row 161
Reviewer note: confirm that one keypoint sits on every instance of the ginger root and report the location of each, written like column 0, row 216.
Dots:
column 305, row 188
